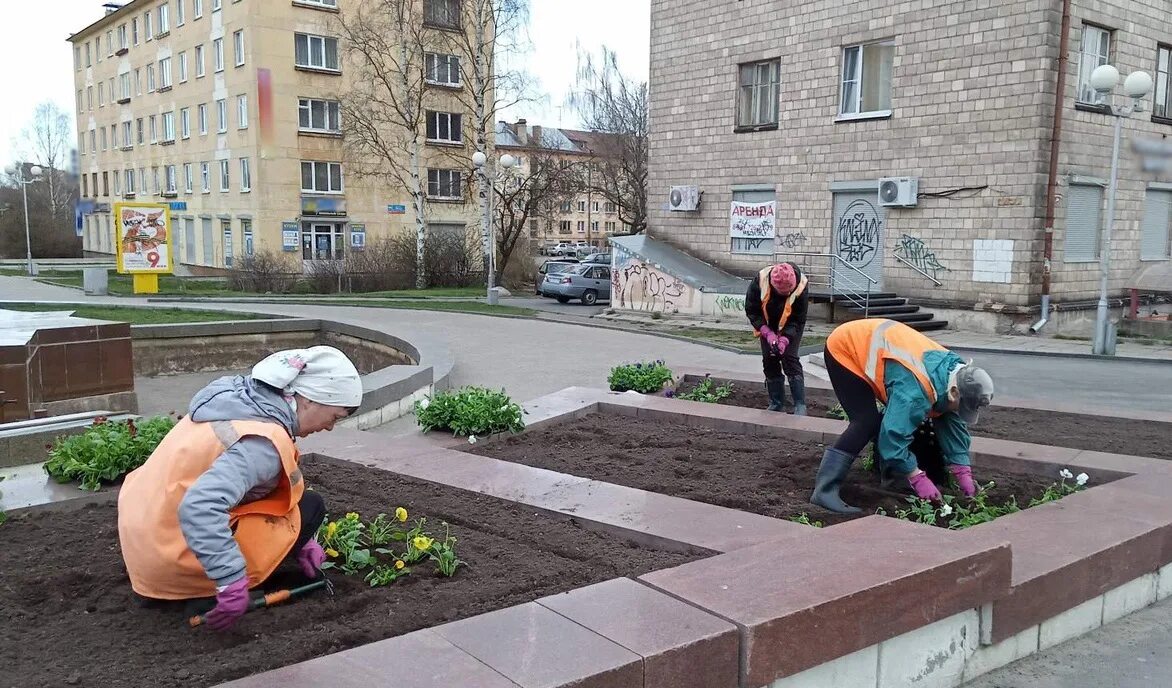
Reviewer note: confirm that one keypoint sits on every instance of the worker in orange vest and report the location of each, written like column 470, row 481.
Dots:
column 776, row 304
column 221, row 501
column 878, row 360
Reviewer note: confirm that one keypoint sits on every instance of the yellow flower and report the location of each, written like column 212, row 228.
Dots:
column 401, row 514
column 331, row 530
column 399, row 564
column 352, row 516
column 331, row 552
column 422, row 543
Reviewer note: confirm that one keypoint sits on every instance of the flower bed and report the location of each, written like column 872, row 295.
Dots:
column 772, row 476
column 67, row 616
column 1078, row 431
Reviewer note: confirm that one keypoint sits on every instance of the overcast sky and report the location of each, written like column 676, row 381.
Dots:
column 38, row 63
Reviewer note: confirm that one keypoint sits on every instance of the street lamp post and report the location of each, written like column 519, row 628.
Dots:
column 1137, row 85
column 480, row 162
column 18, row 172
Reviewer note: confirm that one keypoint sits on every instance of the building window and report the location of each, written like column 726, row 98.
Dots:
column 113, row 136
column 866, row 79
column 89, row 97
column 117, row 183
column 246, row 233
column 154, row 129
column 199, row 61
column 245, row 175
column 180, row 14
column 443, row 70
column 564, row 227
column 85, row 190
column 595, row 206
column 87, row 55
column 80, row 102
column 127, row 135
column 1083, row 220
column 1096, row 51
column 242, row 111
column 185, row 123
column 444, row 127
column 238, row 47
column 155, row 188
column 129, row 179
column 218, row 55
column 137, row 81
column 197, row 8
column 444, row 184
column 148, row 25
column 755, row 247
column 182, row 67
column 205, row 177
column 93, row 141
column 315, row 52
column 581, row 226
column 319, row 115
column 322, row 241
column 610, row 207
column 443, row 13
column 1162, row 102
column 1154, row 232
column 323, row 3
column 534, row 229
column 216, row 5
column 134, row 30
column 581, row 206
column 188, row 178
column 321, row 177
column 150, row 78
column 105, row 183
column 124, row 82
column 225, row 176
column 222, row 114
column 138, row 124
column 226, row 229
column 164, row 19
column 102, row 137
column 565, row 207
column 122, row 42
column 609, row 228
column 758, row 94
column 169, row 173
column 101, row 94
column 203, row 118
column 165, row 73
column 594, row 226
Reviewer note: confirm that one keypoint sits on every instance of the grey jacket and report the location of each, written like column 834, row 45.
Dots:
column 246, row 472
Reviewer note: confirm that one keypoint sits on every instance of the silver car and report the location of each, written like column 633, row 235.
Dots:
column 590, row 283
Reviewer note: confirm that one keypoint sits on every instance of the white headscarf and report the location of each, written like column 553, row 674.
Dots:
column 319, row 373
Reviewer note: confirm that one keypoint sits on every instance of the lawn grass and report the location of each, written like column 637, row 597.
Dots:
column 135, row 315
column 475, row 307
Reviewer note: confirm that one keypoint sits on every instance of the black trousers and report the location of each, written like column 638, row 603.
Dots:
column 858, row 400
column 313, row 514
column 788, row 363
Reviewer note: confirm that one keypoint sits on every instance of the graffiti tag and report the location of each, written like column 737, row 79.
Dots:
column 792, row 240
column 730, row 303
column 644, row 288
column 916, row 252
column 858, row 233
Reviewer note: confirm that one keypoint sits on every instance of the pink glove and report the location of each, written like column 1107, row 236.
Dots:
column 311, row 557
column 231, row 603
column 781, row 345
column 964, row 479
column 769, row 335
column 924, row 487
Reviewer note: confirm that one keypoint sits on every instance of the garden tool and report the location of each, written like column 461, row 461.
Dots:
column 277, row 597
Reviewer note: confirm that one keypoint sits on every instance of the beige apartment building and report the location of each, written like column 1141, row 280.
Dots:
column 809, row 105
column 229, row 111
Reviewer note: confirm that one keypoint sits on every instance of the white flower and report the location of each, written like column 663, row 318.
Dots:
column 1082, row 479
column 1065, row 473
column 471, row 439
column 946, row 510
column 425, row 403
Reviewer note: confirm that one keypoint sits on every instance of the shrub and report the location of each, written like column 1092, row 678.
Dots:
column 265, row 272
column 470, row 411
column 645, row 378
column 105, row 451
column 706, row 393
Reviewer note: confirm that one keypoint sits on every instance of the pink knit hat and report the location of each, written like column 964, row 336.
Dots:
column 783, row 278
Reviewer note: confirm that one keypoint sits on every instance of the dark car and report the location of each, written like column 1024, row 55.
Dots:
column 597, row 259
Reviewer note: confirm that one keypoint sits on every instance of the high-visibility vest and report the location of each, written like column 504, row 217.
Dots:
column 767, row 293
column 864, row 346
column 160, row 564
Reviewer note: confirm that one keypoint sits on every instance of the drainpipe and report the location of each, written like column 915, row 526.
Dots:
column 1052, row 180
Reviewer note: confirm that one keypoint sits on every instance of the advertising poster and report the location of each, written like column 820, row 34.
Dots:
column 144, row 239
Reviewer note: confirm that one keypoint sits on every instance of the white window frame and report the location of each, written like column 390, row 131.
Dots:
column 141, row 137
column 245, row 175
column 164, row 17
column 180, row 13
column 101, row 94
column 148, row 25
column 205, row 177
column 197, row 8
column 171, row 179
column 439, row 68
column 154, row 127
column 183, row 67
column 225, row 176
column 850, row 86
column 451, row 13
column 329, row 109
column 185, row 123
column 333, row 4
column 127, row 134
column 238, row 47
column 759, row 95
column 150, row 78
column 138, row 81
column 331, row 168
column 169, row 127
column 443, row 125
column 199, row 70
column 165, row 73
column 323, row 44
column 110, row 43
column 217, row 55
column 124, row 86
column 246, row 236
column 242, row 111
column 128, row 178
column 1162, row 98
column 1090, row 56
column 123, row 41
column 221, row 116
column 217, row 5
column 188, row 178
column 439, row 178
column 134, row 30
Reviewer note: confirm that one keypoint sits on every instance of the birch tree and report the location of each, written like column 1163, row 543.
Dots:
column 543, row 183
column 47, row 141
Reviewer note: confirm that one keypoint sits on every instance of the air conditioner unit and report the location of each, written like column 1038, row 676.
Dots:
column 898, row 192
column 684, row 199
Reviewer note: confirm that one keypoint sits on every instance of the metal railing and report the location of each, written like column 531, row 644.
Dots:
column 830, row 273
column 911, row 265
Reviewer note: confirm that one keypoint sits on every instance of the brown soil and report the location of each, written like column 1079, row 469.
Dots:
column 67, row 617
column 1075, row 430
column 772, row 476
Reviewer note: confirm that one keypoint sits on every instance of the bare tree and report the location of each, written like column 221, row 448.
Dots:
column 47, row 141
column 608, row 102
column 534, row 193
column 383, row 122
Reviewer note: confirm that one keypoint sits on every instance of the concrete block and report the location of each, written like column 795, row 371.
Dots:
column 857, row 670
column 1164, row 583
column 1071, row 623
column 991, row 657
column 933, row 656
column 1130, row 597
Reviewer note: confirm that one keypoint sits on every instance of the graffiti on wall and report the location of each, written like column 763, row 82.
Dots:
column 916, row 252
column 858, row 233
column 791, row 240
column 640, row 286
column 727, row 303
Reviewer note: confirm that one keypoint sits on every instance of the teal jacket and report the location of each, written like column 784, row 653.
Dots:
column 908, row 406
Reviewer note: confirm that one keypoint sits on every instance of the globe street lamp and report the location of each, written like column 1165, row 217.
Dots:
column 1137, row 85
column 18, row 172
column 480, row 162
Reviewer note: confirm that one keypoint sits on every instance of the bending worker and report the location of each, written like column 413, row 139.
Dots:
column 915, row 378
column 221, row 501
column 776, row 304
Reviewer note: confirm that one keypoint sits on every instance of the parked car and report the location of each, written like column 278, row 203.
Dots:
column 597, row 258
column 564, row 248
column 552, row 267
column 590, row 283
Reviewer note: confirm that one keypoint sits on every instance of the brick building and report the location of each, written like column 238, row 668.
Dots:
column 810, row 104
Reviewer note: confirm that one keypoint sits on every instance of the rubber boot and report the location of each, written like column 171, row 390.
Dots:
column 831, row 474
column 776, row 388
column 797, row 386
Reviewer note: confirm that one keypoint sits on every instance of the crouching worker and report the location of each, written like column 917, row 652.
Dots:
column 915, row 378
column 776, row 304
column 221, row 501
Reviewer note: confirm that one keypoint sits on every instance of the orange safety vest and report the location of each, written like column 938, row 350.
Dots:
column 864, row 346
column 160, row 564
column 767, row 293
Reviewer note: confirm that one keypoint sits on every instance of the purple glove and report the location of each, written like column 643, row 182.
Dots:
column 924, row 487
column 769, row 335
column 781, row 345
column 964, row 479
column 311, row 557
column 231, row 603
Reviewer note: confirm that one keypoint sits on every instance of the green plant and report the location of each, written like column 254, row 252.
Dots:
column 106, row 450
column 645, row 378
column 706, row 393
column 386, row 574
column 380, row 531
column 470, row 411
column 804, row 519
column 1061, row 488
column 958, row 513
column 351, row 546
column 868, row 462
column 443, row 553
column 837, row 411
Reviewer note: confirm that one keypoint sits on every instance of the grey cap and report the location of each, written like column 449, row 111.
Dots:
column 976, row 391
